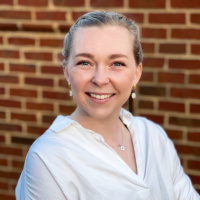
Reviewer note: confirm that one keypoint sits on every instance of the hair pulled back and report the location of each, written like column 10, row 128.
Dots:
column 100, row 19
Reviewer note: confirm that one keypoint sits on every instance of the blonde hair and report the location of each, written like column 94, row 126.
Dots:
column 99, row 19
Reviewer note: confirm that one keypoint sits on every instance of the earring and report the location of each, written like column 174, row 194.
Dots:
column 133, row 95
column 70, row 92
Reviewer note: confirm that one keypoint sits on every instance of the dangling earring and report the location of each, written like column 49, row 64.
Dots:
column 70, row 92
column 133, row 95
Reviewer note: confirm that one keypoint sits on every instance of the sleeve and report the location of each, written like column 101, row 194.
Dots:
column 36, row 181
column 183, row 188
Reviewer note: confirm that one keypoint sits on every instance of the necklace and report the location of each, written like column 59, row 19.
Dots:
column 121, row 145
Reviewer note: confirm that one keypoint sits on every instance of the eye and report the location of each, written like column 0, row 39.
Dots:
column 83, row 63
column 118, row 64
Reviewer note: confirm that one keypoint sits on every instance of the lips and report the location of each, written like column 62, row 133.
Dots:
column 100, row 96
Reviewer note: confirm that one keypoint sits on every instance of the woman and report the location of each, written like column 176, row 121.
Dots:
column 100, row 151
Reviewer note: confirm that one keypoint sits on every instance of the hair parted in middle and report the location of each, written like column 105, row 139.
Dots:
column 100, row 19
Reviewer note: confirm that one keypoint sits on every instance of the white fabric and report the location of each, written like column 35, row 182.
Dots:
column 74, row 163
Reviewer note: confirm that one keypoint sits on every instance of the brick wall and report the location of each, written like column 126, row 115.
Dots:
column 33, row 90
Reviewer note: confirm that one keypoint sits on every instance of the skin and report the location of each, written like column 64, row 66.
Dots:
column 102, row 63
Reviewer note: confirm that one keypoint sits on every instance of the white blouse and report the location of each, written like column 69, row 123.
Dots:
column 74, row 163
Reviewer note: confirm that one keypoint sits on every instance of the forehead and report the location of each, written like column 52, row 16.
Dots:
column 109, row 38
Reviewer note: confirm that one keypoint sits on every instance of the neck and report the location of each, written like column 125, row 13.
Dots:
column 107, row 127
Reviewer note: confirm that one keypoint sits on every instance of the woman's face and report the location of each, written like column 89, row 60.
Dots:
column 101, row 70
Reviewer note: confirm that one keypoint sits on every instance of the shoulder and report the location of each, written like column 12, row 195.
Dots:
column 149, row 130
column 51, row 140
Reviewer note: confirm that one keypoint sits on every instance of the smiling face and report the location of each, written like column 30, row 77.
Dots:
column 101, row 70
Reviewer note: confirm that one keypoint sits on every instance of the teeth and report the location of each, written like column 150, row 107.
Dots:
column 100, row 96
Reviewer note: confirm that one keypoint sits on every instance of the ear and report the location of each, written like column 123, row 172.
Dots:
column 66, row 72
column 138, row 73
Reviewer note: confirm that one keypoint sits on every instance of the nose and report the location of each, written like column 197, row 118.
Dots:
column 100, row 77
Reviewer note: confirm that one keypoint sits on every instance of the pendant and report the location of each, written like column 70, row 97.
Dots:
column 122, row 147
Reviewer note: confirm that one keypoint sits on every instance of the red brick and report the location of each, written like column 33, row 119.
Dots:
column 2, row 139
column 185, row 33
column 193, row 164
column 4, row 186
column 1, row 40
column 9, row 79
column 63, row 83
column 17, row 164
column 171, row 106
column 194, row 108
column 3, row 162
column 152, row 91
column 9, row 174
column 188, row 150
column 21, row 41
column 167, row 77
column 2, row 115
column 194, row 178
column 39, row 106
column 7, row 197
column 10, row 103
column 195, row 49
column 38, row 56
column 64, row 28
column 155, row 118
column 60, row 57
column 39, row 81
column 169, row 18
column 69, row 2
column 51, row 15
column 11, row 151
column 184, row 64
column 147, row 76
column 154, row 33
column 172, row 48
column 23, row 117
column 2, row 91
column 185, row 4
column 66, row 110
column 194, row 136
column 174, row 134
column 153, row 62
column 184, row 122
column 185, row 93
column 37, row 3
column 28, row 68
column 155, row 4
column 76, row 15
column 136, row 17
column 24, row 141
column 6, row 2
column 36, row 130
column 12, row 14
column 105, row 3
column 8, row 27
column 10, row 127
column 48, row 119
column 148, row 47
column 194, row 78
column 2, row 66
column 55, row 95
column 195, row 18
column 23, row 93
column 146, row 104
column 37, row 28
column 9, row 54
column 52, row 69
column 51, row 42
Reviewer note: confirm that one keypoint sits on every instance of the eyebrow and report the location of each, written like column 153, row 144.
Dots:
column 88, row 55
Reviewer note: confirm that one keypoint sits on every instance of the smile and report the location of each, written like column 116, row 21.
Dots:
column 97, row 96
